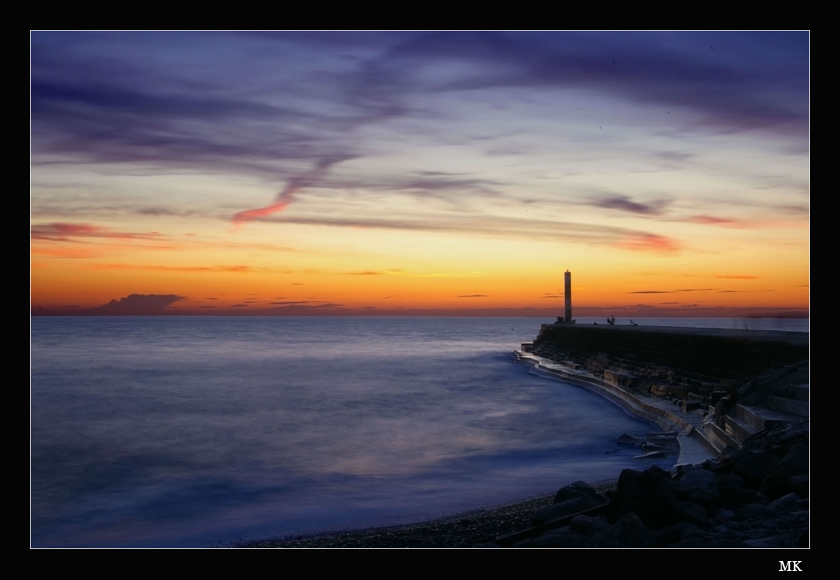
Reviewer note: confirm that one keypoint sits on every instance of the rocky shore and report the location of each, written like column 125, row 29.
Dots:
column 754, row 497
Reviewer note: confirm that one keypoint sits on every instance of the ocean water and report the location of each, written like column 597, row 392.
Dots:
column 207, row 431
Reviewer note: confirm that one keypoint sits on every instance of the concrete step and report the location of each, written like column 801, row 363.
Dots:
column 738, row 429
column 745, row 421
column 748, row 416
column 717, row 437
column 794, row 407
column 760, row 418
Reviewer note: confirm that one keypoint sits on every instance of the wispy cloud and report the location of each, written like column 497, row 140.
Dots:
column 234, row 269
column 287, row 195
column 782, row 218
column 64, row 232
column 712, row 220
column 673, row 291
column 624, row 203
column 392, row 271
column 729, row 90
column 646, row 242
column 576, row 232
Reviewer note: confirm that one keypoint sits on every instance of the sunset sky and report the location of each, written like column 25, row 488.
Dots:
column 419, row 172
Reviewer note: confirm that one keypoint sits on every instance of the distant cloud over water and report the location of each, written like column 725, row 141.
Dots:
column 138, row 304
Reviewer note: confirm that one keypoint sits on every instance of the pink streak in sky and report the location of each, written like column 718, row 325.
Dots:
column 287, row 196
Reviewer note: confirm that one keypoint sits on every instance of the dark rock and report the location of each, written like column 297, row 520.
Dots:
column 630, row 440
column 587, row 525
column 800, row 485
column 569, row 500
column 795, row 463
column 691, row 512
column 699, row 486
column 628, row 532
column 576, row 490
column 677, row 533
column 648, row 494
column 753, row 466
column 785, row 502
column 779, row 437
column 562, row 538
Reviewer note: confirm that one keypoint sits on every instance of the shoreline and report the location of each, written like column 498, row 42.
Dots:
column 476, row 527
column 469, row 529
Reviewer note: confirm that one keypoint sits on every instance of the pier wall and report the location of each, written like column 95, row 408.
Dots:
column 719, row 385
column 696, row 359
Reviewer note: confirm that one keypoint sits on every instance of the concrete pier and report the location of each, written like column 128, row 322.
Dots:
column 701, row 382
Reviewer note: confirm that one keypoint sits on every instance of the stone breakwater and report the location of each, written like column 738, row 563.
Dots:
column 718, row 385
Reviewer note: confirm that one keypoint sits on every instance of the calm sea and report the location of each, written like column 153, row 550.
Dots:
column 203, row 431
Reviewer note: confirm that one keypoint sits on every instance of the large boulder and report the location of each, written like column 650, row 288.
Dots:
column 649, row 494
column 570, row 500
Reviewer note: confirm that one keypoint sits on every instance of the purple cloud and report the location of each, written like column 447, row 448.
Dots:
column 138, row 304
